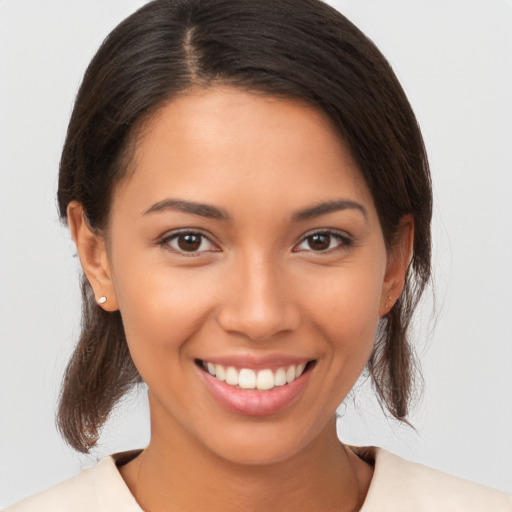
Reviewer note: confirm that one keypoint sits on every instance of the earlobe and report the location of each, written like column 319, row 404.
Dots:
column 93, row 256
column 399, row 258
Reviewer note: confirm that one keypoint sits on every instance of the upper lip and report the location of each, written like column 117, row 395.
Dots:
column 257, row 362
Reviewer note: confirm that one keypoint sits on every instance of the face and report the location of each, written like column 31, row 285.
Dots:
column 247, row 260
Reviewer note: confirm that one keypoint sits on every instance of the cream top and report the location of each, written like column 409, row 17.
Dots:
column 397, row 486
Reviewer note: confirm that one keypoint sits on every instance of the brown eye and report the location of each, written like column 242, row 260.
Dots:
column 324, row 242
column 319, row 241
column 189, row 242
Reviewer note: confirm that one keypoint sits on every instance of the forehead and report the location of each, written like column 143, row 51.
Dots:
column 212, row 144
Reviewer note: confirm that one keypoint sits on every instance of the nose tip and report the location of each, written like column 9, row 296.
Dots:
column 258, row 308
column 258, row 324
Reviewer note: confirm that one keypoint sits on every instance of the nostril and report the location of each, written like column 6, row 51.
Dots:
column 258, row 323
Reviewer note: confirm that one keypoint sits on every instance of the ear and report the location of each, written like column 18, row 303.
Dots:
column 92, row 252
column 399, row 257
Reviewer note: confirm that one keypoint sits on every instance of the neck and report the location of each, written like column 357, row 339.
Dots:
column 176, row 473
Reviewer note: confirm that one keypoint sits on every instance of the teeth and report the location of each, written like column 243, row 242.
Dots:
column 290, row 374
column 219, row 372
column 266, row 379
column 280, row 377
column 232, row 376
column 247, row 379
column 299, row 370
column 250, row 379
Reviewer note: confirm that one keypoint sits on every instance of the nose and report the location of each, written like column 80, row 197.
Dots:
column 258, row 302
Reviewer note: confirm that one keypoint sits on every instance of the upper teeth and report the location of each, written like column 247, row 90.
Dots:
column 251, row 379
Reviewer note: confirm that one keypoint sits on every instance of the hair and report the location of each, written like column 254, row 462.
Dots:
column 291, row 49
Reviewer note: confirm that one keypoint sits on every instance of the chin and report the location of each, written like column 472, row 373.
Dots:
column 265, row 442
column 256, row 452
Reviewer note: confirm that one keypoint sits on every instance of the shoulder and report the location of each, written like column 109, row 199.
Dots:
column 401, row 486
column 92, row 490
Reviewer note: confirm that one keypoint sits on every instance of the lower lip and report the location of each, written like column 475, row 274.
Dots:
column 255, row 403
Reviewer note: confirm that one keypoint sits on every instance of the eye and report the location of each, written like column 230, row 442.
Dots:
column 323, row 241
column 188, row 242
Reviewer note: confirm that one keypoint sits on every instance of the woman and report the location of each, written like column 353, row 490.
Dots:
column 249, row 195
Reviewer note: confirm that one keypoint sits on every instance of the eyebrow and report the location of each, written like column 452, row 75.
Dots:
column 212, row 212
column 329, row 207
column 201, row 209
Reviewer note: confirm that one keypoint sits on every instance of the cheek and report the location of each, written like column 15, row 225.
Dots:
column 345, row 312
column 349, row 327
column 348, row 299
column 350, row 330
column 161, row 309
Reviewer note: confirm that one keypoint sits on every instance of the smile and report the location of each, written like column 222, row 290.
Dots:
column 262, row 380
column 264, row 389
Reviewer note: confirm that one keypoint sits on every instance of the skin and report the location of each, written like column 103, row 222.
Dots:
column 258, row 286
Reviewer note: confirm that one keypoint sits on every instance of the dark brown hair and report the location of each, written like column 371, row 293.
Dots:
column 300, row 49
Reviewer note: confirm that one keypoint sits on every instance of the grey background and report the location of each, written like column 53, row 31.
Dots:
column 454, row 60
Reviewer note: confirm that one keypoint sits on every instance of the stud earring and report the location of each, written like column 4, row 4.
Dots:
column 101, row 300
column 386, row 305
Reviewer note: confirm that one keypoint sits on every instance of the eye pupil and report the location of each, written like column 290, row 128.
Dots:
column 189, row 242
column 319, row 241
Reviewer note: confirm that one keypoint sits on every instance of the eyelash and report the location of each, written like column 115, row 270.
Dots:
column 166, row 240
column 344, row 242
column 344, row 239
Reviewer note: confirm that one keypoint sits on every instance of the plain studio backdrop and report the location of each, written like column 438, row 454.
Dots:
column 454, row 59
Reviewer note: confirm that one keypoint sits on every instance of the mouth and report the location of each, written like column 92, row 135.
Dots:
column 262, row 379
column 256, row 388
